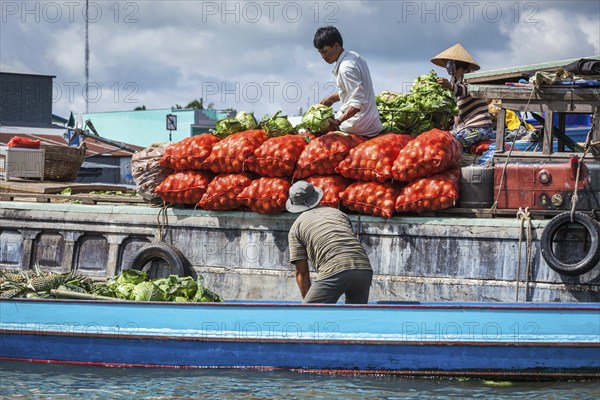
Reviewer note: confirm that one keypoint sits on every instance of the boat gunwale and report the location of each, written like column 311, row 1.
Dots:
column 573, row 306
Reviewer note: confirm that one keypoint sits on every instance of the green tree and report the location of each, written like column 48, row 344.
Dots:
column 196, row 104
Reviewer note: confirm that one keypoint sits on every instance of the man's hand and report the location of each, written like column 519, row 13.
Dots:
column 334, row 125
column 445, row 83
column 302, row 276
column 329, row 100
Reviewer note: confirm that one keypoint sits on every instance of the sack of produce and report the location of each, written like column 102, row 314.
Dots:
column 221, row 193
column 186, row 187
column 277, row 125
column 372, row 160
column 430, row 194
column 428, row 154
column 323, row 154
column 278, row 156
column 148, row 172
column 189, row 153
column 229, row 155
column 332, row 186
column 266, row 195
column 371, row 198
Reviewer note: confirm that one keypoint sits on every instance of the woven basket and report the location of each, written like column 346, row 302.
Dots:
column 62, row 163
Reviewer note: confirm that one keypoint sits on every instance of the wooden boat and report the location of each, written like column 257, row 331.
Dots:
column 522, row 341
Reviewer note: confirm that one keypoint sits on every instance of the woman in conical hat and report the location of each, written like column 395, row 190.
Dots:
column 473, row 122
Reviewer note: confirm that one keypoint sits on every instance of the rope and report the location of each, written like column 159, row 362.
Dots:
column 162, row 221
column 528, row 254
column 523, row 215
column 588, row 145
column 495, row 205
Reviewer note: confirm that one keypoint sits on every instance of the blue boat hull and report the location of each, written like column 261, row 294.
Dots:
column 460, row 339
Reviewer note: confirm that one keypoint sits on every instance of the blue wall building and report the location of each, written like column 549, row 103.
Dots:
column 145, row 127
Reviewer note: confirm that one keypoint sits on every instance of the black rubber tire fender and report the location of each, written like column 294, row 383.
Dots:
column 160, row 251
column 590, row 260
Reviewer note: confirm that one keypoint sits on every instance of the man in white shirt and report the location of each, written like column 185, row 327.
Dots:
column 358, row 113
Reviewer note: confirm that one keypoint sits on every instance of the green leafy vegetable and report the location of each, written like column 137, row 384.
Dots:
column 317, row 118
column 427, row 106
column 277, row 125
column 247, row 120
column 147, row 291
column 226, row 127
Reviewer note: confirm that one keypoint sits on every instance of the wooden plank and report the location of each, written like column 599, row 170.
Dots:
column 548, row 136
column 23, row 186
column 540, row 94
column 83, row 198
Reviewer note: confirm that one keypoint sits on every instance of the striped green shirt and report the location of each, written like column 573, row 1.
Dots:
column 324, row 236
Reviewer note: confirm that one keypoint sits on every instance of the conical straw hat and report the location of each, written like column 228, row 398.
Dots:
column 456, row 53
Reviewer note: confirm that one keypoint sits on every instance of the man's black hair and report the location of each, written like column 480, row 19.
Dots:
column 327, row 36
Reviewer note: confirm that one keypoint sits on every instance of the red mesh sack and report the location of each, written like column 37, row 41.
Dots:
column 480, row 148
column 278, row 156
column 230, row 154
column 266, row 195
column 428, row 154
column 24, row 142
column 430, row 194
column 371, row 198
column 372, row 160
column 332, row 186
column 189, row 153
column 323, row 154
column 186, row 187
column 221, row 193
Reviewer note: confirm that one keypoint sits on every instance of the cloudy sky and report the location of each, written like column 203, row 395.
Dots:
column 258, row 55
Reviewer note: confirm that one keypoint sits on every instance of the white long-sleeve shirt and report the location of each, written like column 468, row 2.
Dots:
column 355, row 89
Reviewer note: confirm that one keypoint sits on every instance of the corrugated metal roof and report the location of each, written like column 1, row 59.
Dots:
column 516, row 72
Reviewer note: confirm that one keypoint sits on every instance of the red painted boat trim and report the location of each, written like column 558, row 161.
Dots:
column 521, row 375
column 297, row 341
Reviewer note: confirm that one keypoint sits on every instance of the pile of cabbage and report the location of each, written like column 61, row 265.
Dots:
column 428, row 105
column 132, row 284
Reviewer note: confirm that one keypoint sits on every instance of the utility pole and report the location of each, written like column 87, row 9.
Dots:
column 87, row 57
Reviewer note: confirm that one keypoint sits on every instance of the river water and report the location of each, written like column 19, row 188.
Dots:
column 20, row 380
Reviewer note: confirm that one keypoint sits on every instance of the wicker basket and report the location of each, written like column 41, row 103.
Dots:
column 62, row 163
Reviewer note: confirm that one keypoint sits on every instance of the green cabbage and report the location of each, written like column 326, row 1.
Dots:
column 427, row 106
column 277, row 125
column 147, row 291
column 175, row 287
column 247, row 120
column 317, row 118
column 226, row 127
column 133, row 276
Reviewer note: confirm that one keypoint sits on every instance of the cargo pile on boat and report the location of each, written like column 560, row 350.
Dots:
column 254, row 169
column 131, row 284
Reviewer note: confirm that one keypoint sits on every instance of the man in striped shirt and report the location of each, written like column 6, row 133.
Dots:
column 473, row 122
column 324, row 236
